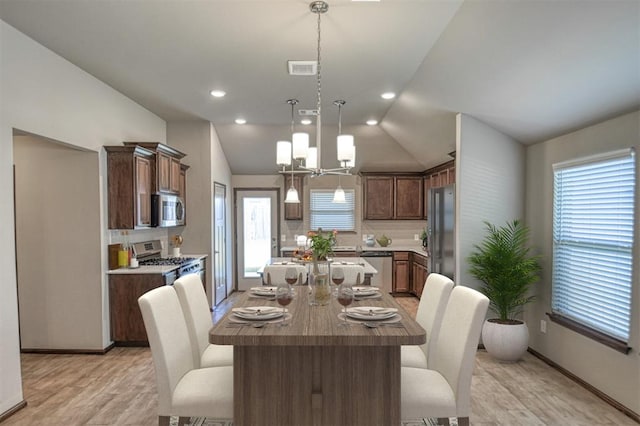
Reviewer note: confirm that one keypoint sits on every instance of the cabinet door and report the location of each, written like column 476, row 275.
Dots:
column 426, row 186
column 143, row 191
column 174, row 175
column 401, row 272
column 293, row 211
column 164, row 172
column 378, row 197
column 408, row 197
column 452, row 175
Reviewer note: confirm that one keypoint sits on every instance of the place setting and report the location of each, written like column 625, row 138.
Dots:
column 259, row 316
column 369, row 316
column 366, row 292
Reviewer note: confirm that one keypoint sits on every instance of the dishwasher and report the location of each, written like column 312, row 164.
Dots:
column 381, row 260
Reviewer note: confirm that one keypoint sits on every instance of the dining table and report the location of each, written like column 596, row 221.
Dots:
column 315, row 371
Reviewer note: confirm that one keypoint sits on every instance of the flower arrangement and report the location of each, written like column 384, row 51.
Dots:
column 322, row 243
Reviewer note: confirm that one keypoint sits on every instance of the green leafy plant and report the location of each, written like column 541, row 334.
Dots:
column 322, row 243
column 504, row 264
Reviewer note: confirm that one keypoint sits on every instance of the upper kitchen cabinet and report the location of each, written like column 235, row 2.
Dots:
column 166, row 168
column 442, row 175
column 293, row 211
column 129, row 170
column 392, row 196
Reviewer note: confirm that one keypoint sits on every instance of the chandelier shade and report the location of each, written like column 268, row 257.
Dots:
column 283, row 153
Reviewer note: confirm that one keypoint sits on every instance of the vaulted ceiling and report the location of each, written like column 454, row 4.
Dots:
column 532, row 69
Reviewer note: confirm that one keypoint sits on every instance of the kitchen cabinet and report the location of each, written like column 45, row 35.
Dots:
column 392, row 196
column 182, row 191
column 129, row 182
column 442, row 175
column 293, row 211
column 419, row 272
column 166, row 169
column 401, row 272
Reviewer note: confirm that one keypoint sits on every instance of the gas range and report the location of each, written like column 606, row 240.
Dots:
column 166, row 261
column 148, row 254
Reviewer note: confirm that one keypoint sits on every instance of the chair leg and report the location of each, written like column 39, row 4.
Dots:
column 164, row 420
column 182, row 421
column 463, row 421
column 443, row 421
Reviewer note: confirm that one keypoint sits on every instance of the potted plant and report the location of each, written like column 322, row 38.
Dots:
column 507, row 269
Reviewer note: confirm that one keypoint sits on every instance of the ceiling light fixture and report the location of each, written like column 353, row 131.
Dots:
column 241, row 121
column 297, row 153
column 372, row 122
column 388, row 95
column 218, row 93
column 305, row 121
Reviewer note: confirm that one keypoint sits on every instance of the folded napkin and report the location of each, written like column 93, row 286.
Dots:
column 263, row 289
column 373, row 310
column 257, row 310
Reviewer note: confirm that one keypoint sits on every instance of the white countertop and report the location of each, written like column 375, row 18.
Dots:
column 415, row 248
column 368, row 269
column 153, row 269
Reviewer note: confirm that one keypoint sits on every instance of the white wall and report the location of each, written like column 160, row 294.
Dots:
column 490, row 172
column 44, row 94
column 614, row 373
column 208, row 164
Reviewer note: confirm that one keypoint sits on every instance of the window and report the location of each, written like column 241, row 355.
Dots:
column 593, row 226
column 326, row 214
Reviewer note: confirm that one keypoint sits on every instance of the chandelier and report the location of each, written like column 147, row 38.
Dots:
column 297, row 154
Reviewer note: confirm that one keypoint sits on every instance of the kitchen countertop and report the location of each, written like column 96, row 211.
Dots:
column 393, row 247
column 153, row 269
column 368, row 269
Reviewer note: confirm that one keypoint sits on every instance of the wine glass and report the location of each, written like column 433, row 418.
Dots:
column 284, row 296
column 345, row 298
column 291, row 276
column 337, row 276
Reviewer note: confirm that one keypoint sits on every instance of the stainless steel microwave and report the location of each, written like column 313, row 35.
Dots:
column 167, row 210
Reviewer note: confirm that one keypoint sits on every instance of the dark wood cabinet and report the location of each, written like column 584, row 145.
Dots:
column 442, row 175
column 294, row 211
column 401, row 272
column 378, row 197
column 419, row 272
column 166, row 168
column 408, row 197
column 129, row 182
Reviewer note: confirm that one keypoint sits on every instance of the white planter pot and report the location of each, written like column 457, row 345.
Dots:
column 505, row 342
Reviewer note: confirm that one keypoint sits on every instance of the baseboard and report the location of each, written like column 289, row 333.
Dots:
column 11, row 411
column 68, row 351
column 606, row 398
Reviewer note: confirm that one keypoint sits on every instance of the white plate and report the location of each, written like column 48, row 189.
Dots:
column 359, row 296
column 365, row 290
column 371, row 312
column 264, row 290
column 258, row 312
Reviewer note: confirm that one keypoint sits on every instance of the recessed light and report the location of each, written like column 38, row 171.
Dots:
column 388, row 95
column 305, row 121
column 241, row 121
column 218, row 93
column 372, row 122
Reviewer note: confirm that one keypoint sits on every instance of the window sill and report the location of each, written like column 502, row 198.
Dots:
column 598, row 336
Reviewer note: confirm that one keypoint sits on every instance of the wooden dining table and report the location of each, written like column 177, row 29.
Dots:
column 314, row 371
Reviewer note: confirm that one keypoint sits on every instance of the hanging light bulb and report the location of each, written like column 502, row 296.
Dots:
column 292, row 195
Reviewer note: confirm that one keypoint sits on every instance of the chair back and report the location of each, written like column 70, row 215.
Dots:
column 274, row 274
column 433, row 302
column 168, row 339
column 456, row 345
column 197, row 315
column 353, row 274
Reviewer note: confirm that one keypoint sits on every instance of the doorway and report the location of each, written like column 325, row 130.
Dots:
column 257, row 230
column 219, row 243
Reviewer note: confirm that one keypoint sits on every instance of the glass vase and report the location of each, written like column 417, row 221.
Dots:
column 320, row 283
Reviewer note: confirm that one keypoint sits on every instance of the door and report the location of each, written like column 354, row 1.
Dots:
column 219, row 243
column 257, row 230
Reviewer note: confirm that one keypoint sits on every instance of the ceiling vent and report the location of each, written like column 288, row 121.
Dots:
column 302, row 67
column 307, row 112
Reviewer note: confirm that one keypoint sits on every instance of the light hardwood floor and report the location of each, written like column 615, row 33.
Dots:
column 119, row 389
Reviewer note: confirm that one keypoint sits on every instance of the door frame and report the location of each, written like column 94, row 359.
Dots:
column 214, row 268
column 235, row 225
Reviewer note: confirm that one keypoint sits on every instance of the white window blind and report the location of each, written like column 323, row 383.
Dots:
column 326, row 214
column 593, row 224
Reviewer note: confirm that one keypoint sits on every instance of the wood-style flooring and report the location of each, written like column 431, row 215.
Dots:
column 119, row 389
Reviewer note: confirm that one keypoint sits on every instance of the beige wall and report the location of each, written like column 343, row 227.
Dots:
column 615, row 374
column 44, row 94
column 57, row 201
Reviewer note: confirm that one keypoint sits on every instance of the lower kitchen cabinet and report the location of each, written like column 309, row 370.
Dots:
column 419, row 272
column 401, row 272
column 127, row 326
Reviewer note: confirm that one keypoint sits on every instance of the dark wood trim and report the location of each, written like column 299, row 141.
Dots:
column 591, row 333
column 11, row 411
column 68, row 351
column 606, row 398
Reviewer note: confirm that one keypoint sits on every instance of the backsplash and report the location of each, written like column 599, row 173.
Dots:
column 141, row 235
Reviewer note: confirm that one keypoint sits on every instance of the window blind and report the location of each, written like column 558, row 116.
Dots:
column 593, row 226
column 326, row 214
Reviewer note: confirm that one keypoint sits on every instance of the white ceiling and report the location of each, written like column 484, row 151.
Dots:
column 532, row 69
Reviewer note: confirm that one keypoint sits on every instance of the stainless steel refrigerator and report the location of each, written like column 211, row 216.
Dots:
column 441, row 228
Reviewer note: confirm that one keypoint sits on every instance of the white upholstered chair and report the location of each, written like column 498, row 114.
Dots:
column 444, row 389
column 274, row 274
column 183, row 389
column 433, row 301
column 195, row 307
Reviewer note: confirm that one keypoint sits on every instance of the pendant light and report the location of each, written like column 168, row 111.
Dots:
column 292, row 193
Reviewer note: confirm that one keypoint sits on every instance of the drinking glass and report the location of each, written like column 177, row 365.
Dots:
column 284, row 296
column 345, row 298
column 337, row 276
column 291, row 276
